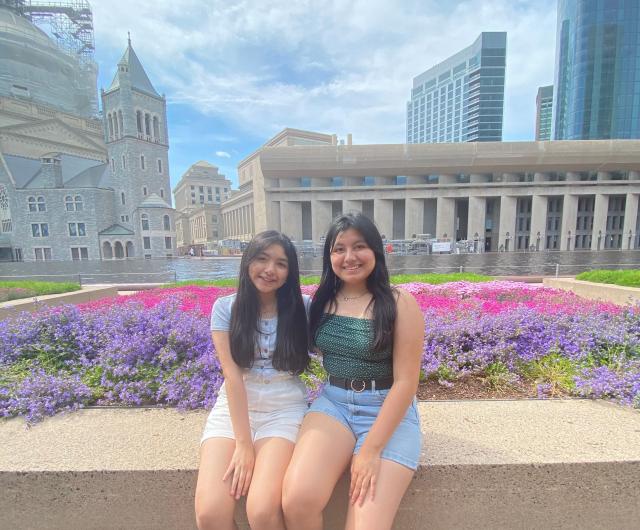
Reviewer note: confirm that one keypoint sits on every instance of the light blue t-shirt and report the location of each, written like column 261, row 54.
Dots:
column 221, row 321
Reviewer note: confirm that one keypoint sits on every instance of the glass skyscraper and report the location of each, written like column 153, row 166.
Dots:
column 544, row 103
column 462, row 98
column 597, row 79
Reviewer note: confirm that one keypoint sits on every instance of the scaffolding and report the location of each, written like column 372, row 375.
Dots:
column 69, row 23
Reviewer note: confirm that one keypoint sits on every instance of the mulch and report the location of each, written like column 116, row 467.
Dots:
column 475, row 387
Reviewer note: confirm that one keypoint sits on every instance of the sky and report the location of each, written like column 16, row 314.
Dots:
column 235, row 73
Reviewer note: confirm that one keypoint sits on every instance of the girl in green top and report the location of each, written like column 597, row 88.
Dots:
column 371, row 339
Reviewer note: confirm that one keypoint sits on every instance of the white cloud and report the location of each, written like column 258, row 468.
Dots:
column 223, row 154
column 343, row 67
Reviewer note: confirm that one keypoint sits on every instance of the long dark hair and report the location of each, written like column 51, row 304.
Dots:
column 384, row 303
column 292, row 344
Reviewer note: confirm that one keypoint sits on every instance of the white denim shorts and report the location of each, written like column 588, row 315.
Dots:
column 277, row 404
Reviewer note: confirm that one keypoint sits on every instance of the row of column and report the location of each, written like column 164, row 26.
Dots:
column 238, row 223
column 291, row 217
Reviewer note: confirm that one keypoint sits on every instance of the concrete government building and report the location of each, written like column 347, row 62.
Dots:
column 562, row 195
column 74, row 185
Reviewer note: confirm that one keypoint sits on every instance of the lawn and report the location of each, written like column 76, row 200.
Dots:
column 627, row 278
column 14, row 290
column 155, row 348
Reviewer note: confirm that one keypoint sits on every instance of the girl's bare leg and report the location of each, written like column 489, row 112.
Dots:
column 393, row 481
column 214, row 505
column 264, row 501
column 322, row 453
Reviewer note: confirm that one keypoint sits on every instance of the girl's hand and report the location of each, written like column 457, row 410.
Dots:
column 365, row 468
column 240, row 469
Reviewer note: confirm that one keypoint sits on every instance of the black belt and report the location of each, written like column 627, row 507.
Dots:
column 359, row 385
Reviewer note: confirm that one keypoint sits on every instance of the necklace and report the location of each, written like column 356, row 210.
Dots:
column 348, row 298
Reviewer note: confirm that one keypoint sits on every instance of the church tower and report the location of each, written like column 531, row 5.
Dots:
column 135, row 129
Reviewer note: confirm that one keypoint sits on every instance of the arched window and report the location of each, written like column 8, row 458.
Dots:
column 145, row 221
column 68, row 203
column 31, row 201
column 122, row 199
column 110, row 121
column 162, row 192
column 142, row 164
column 144, row 191
column 139, row 121
column 42, row 207
column 115, row 125
column 121, row 123
column 124, row 162
column 156, row 128
column 166, row 221
column 159, row 166
column 78, row 203
column 147, row 124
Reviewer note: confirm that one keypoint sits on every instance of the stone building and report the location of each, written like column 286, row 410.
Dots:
column 562, row 195
column 73, row 186
column 198, row 196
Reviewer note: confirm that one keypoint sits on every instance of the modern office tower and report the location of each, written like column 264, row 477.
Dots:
column 462, row 98
column 544, row 104
column 597, row 80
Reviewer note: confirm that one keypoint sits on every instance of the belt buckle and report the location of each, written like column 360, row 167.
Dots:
column 364, row 385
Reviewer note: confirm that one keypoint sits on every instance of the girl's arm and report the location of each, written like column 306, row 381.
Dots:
column 241, row 466
column 407, row 353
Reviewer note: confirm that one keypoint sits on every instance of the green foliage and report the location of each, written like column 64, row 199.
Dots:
column 313, row 280
column 627, row 278
column 552, row 369
column 314, row 371
column 443, row 373
column 93, row 379
column 435, row 278
column 498, row 377
column 15, row 290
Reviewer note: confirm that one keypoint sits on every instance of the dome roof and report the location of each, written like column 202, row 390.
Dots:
column 15, row 24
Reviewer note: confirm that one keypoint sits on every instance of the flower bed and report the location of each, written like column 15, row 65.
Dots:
column 155, row 347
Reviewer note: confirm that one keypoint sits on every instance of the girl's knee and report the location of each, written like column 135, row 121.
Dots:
column 264, row 514
column 210, row 516
column 298, row 500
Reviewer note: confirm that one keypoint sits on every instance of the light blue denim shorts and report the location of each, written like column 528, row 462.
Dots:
column 358, row 410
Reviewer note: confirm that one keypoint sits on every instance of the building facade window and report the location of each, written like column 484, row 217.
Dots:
column 142, row 166
column 159, row 166
column 31, row 201
column 122, row 198
column 139, row 121
column 156, row 128
column 144, row 191
column 42, row 253
column 78, row 204
column 146, row 243
column 166, row 221
column 121, row 123
column 145, row 221
column 162, row 192
column 77, row 229
column 124, row 162
column 79, row 253
column 40, row 229
column 167, row 243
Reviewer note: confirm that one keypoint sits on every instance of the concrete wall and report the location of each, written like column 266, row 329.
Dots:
column 86, row 294
column 485, row 464
column 616, row 294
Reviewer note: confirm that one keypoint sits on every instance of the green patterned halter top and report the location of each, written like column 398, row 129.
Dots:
column 345, row 343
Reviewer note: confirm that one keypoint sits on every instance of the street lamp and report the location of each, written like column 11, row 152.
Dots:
column 507, row 237
column 569, row 240
column 476, row 237
column 537, row 241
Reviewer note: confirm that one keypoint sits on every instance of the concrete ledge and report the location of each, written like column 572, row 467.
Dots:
column 86, row 294
column 604, row 292
column 485, row 464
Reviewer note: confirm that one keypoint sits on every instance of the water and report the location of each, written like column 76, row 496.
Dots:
column 170, row 269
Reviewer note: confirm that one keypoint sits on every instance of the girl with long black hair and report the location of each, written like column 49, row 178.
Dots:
column 260, row 337
column 371, row 339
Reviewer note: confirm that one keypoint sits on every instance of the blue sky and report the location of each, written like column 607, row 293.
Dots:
column 237, row 72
